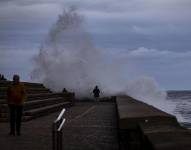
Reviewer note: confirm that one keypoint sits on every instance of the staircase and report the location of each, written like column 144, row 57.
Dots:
column 40, row 101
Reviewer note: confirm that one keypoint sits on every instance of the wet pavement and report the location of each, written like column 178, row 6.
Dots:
column 88, row 126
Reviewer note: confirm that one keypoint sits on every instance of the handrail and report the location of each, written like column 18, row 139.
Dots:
column 60, row 115
column 57, row 131
column 61, row 125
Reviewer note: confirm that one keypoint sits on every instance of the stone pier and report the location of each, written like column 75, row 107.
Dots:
column 121, row 124
column 144, row 127
column 88, row 126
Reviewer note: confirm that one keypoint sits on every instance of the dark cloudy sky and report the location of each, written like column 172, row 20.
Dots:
column 154, row 34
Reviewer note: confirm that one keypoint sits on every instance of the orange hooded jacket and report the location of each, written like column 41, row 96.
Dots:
column 16, row 94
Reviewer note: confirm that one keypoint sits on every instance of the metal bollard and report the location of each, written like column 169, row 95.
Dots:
column 57, row 131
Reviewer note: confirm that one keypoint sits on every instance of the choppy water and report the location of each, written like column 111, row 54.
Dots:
column 182, row 100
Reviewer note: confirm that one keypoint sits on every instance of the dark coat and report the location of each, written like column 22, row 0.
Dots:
column 96, row 92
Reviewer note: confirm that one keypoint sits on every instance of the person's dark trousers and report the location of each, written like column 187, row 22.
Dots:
column 15, row 118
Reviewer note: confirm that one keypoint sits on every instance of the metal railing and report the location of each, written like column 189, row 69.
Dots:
column 57, row 131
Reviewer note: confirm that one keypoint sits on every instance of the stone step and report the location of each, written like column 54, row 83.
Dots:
column 28, row 89
column 7, row 83
column 3, row 101
column 35, row 96
column 37, row 112
column 42, row 96
column 24, row 118
column 36, row 103
column 42, row 103
column 3, row 93
column 46, row 110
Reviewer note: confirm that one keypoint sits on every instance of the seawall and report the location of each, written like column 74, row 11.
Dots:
column 144, row 127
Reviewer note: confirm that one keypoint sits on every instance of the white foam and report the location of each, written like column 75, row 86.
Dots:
column 68, row 59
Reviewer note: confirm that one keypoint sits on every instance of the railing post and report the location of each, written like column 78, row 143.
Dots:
column 57, row 131
column 57, row 140
column 53, row 137
column 61, row 140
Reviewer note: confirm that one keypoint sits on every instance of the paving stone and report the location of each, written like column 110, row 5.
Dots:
column 89, row 126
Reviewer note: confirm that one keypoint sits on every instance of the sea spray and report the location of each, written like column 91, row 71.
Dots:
column 68, row 59
column 66, row 56
column 147, row 90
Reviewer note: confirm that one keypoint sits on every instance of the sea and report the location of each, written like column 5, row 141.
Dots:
column 182, row 102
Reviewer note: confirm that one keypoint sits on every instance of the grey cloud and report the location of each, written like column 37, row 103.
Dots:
column 161, row 25
column 17, row 61
column 25, row 26
column 169, row 68
column 29, row 2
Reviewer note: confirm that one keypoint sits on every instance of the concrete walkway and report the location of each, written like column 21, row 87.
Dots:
column 89, row 126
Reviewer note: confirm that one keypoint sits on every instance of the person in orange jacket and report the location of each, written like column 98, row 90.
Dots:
column 16, row 95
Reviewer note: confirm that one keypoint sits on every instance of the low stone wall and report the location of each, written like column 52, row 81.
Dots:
column 70, row 96
column 144, row 127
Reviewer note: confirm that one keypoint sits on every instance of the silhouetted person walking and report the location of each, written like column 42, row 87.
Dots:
column 96, row 92
column 16, row 96
column 64, row 90
column 2, row 78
